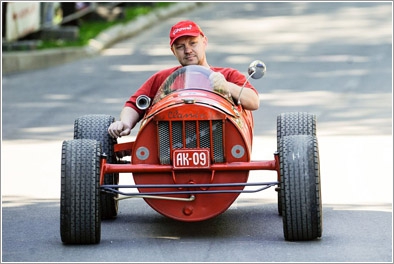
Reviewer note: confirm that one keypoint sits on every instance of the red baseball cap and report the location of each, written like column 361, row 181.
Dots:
column 184, row 28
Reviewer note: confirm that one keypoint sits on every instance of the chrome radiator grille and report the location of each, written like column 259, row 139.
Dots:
column 190, row 134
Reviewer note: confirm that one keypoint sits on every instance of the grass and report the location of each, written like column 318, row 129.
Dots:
column 89, row 29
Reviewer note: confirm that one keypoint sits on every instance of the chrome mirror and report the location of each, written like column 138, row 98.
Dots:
column 257, row 69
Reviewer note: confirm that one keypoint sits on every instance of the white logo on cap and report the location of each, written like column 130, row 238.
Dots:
column 182, row 29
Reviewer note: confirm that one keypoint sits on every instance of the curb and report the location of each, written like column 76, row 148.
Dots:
column 20, row 61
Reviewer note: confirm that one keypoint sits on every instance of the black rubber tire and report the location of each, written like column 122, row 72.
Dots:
column 300, row 187
column 294, row 123
column 80, row 220
column 96, row 127
column 280, row 207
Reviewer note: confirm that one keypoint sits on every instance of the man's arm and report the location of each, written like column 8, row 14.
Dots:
column 128, row 119
column 249, row 98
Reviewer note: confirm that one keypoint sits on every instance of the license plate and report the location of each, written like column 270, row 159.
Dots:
column 191, row 158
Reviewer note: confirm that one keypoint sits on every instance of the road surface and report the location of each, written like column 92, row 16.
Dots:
column 333, row 59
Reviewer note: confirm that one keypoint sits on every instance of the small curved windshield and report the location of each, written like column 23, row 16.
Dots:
column 187, row 77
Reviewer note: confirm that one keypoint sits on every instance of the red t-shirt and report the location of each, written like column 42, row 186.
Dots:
column 151, row 86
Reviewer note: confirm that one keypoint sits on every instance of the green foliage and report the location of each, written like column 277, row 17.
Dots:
column 89, row 29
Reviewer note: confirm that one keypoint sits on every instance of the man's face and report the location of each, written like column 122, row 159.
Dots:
column 190, row 50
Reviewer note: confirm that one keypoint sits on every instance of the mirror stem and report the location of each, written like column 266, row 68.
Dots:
column 240, row 92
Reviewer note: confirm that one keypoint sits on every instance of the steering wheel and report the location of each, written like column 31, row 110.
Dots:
column 166, row 86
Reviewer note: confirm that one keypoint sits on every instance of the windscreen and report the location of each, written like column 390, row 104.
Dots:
column 188, row 77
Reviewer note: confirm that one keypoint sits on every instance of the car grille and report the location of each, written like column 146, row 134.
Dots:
column 190, row 134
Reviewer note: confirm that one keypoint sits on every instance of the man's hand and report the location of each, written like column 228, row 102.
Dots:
column 119, row 129
column 250, row 100
column 128, row 118
column 219, row 83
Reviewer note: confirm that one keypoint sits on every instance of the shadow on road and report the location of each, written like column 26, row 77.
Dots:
column 251, row 226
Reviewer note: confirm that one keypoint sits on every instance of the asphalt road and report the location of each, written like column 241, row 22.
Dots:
column 333, row 59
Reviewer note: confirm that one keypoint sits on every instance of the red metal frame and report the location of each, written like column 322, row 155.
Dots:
column 191, row 194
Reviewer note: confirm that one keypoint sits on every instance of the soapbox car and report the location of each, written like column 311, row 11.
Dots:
column 189, row 161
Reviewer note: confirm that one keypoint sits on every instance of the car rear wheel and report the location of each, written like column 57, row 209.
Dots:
column 300, row 187
column 80, row 221
column 96, row 127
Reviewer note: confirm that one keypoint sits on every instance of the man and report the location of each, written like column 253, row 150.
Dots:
column 188, row 43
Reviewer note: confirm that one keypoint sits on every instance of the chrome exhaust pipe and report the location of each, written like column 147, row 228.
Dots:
column 143, row 102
